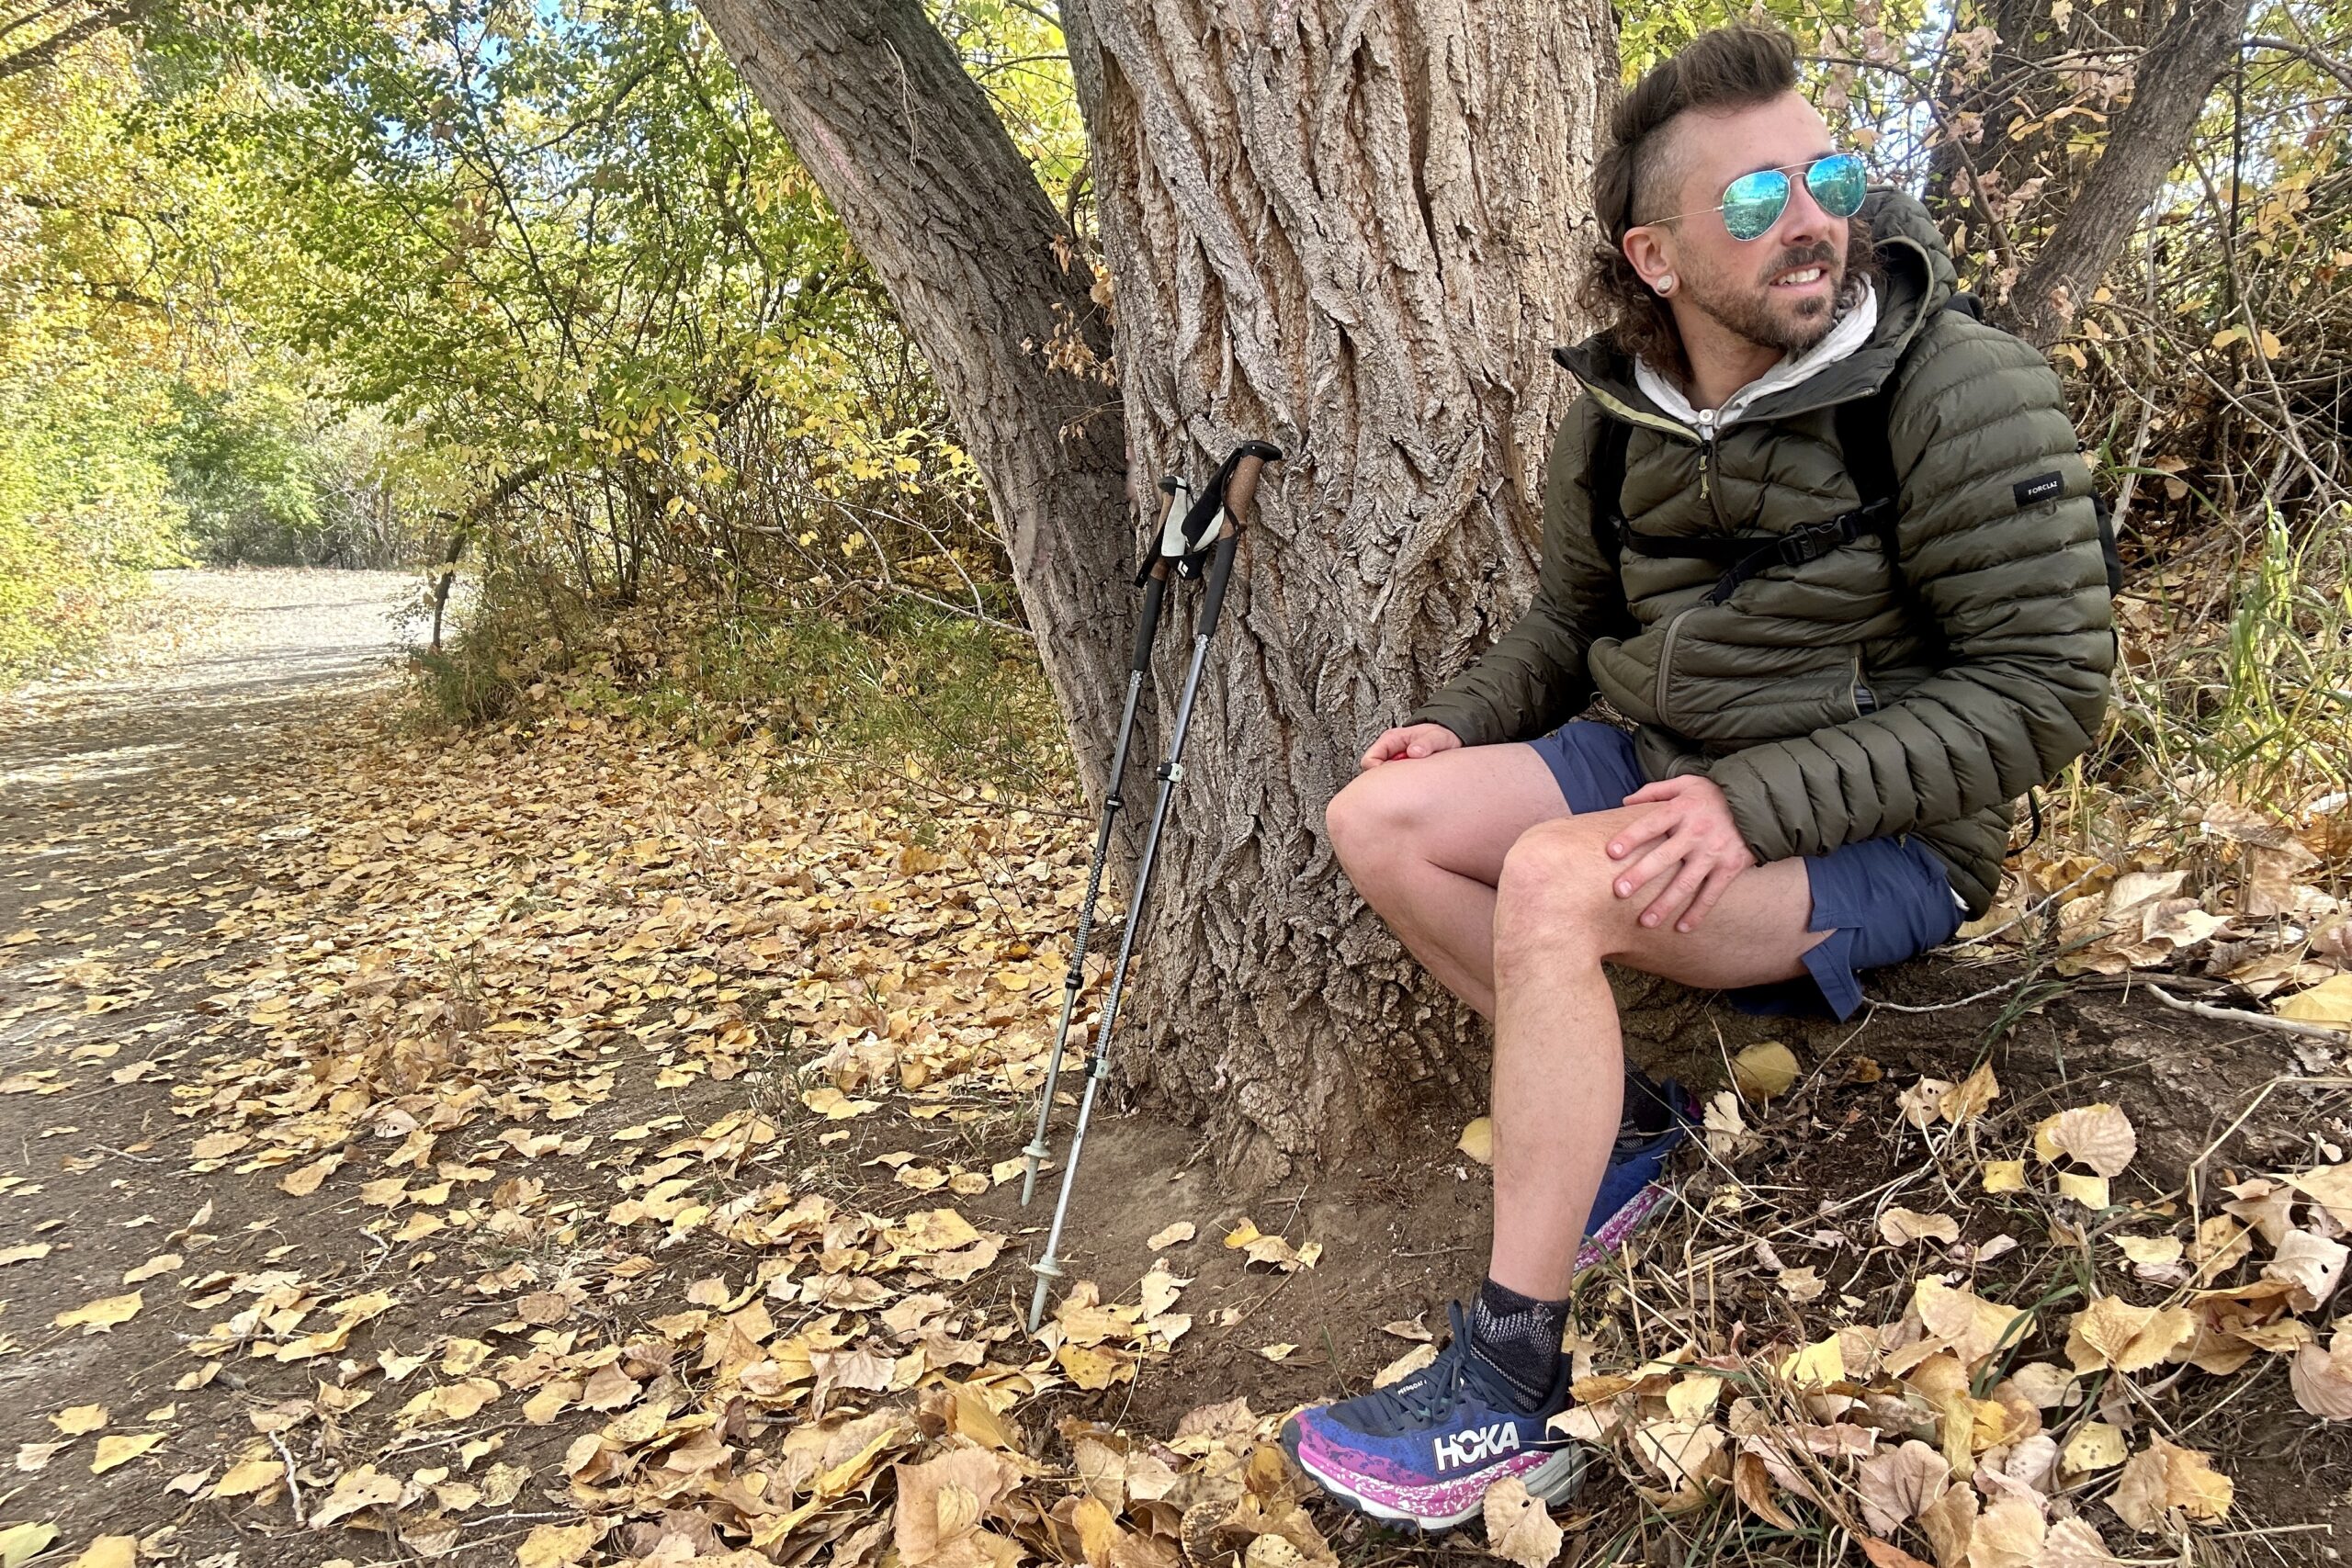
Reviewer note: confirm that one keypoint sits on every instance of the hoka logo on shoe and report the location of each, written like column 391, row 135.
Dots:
column 1478, row 1444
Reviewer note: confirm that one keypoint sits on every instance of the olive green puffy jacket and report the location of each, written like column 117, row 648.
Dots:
column 1850, row 697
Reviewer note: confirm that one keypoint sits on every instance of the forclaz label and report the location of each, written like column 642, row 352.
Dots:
column 1477, row 1444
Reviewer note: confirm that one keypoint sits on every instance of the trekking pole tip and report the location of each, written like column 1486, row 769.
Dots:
column 1047, row 1271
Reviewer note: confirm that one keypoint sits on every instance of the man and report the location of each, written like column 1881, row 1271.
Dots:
column 1829, row 738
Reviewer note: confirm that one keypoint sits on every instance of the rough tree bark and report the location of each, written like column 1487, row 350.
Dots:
column 1351, row 227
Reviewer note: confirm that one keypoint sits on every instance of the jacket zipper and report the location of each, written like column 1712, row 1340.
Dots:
column 1707, row 462
column 1666, row 663
column 1705, row 436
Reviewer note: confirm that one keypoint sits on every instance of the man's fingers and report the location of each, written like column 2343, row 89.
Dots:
column 1668, row 853
column 1645, row 827
column 1661, row 789
column 1678, row 895
column 1716, row 884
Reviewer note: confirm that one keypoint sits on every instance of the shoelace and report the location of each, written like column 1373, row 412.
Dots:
column 1435, row 1388
column 1431, row 1392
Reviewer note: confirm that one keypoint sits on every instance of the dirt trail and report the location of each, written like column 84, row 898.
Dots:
column 132, row 803
column 608, row 941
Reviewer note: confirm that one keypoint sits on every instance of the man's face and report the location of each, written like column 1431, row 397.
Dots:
column 1779, row 291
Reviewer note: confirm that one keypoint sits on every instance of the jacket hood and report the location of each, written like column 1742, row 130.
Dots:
column 1917, row 276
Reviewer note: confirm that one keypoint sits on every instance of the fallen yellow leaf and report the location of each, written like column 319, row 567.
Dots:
column 121, row 1449
column 2329, row 1002
column 250, row 1477
column 100, row 1316
column 1477, row 1140
column 110, row 1551
column 1519, row 1529
column 1764, row 1070
column 558, row 1546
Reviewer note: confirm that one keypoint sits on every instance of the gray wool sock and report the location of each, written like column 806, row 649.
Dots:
column 1519, row 1337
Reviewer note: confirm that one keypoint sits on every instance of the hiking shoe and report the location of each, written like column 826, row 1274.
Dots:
column 1423, row 1450
column 1657, row 1117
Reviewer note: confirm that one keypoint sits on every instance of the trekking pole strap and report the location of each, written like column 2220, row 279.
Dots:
column 1225, row 502
column 1171, row 544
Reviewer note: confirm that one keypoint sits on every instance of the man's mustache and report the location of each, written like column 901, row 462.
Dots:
column 1822, row 253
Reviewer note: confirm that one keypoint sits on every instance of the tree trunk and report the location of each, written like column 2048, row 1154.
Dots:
column 907, row 149
column 1354, row 230
column 2017, row 115
column 2195, row 44
column 1349, row 228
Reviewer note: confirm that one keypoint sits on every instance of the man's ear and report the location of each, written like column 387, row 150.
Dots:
column 1650, row 248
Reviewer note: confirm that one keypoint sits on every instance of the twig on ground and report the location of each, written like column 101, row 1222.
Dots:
column 2255, row 1020
column 2005, row 987
column 293, row 1487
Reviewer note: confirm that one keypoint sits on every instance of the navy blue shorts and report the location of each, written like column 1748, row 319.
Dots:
column 1882, row 900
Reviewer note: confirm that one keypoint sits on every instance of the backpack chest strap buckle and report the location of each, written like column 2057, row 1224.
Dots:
column 1812, row 542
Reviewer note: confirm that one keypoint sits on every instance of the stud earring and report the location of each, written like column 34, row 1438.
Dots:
column 1665, row 282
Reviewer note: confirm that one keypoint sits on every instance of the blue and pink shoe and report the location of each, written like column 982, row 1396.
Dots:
column 1422, row 1451
column 1659, row 1116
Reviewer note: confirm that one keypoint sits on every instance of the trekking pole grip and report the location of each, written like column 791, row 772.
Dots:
column 1147, row 624
column 1249, row 466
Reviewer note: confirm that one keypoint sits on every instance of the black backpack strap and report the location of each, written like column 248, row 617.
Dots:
column 1608, row 479
column 1869, row 461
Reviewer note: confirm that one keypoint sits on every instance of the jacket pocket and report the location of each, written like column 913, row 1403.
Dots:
column 1865, row 700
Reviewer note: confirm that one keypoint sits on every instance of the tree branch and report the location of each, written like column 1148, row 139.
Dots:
column 35, row 55
column 2327, row 62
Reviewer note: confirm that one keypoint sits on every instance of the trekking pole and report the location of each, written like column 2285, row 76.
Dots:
column 1154, row 578
column 1228, row 501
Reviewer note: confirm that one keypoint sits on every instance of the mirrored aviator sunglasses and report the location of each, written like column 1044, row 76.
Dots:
column 1753, row 203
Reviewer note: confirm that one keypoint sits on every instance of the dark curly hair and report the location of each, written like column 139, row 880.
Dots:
column 1728, row 68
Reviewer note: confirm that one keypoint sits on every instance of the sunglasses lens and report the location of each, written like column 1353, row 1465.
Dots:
column 1837, row 183
column 1753, row 203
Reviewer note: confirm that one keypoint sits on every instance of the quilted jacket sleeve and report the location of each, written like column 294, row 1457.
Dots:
column 1999, row 543
column 1532, row 679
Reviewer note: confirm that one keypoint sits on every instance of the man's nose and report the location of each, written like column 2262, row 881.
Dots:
column 1804, row 223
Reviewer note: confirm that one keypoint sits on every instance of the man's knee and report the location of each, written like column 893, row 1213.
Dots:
column 1377, row 815
column 1553, row 895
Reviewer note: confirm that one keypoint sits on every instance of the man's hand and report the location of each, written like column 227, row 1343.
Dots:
column 1691, row 835
column 1414, row 741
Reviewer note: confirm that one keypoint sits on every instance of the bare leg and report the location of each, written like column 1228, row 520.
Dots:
column 1558, row 1072
column 1475, row 860
column 1423, row 841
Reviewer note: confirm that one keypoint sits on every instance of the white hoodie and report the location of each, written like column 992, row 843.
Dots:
column 1853, row 331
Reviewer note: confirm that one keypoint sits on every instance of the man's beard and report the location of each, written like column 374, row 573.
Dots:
column 1756, row 317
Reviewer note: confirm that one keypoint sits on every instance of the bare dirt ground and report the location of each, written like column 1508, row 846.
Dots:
column 132, row 804
column 250, row 933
